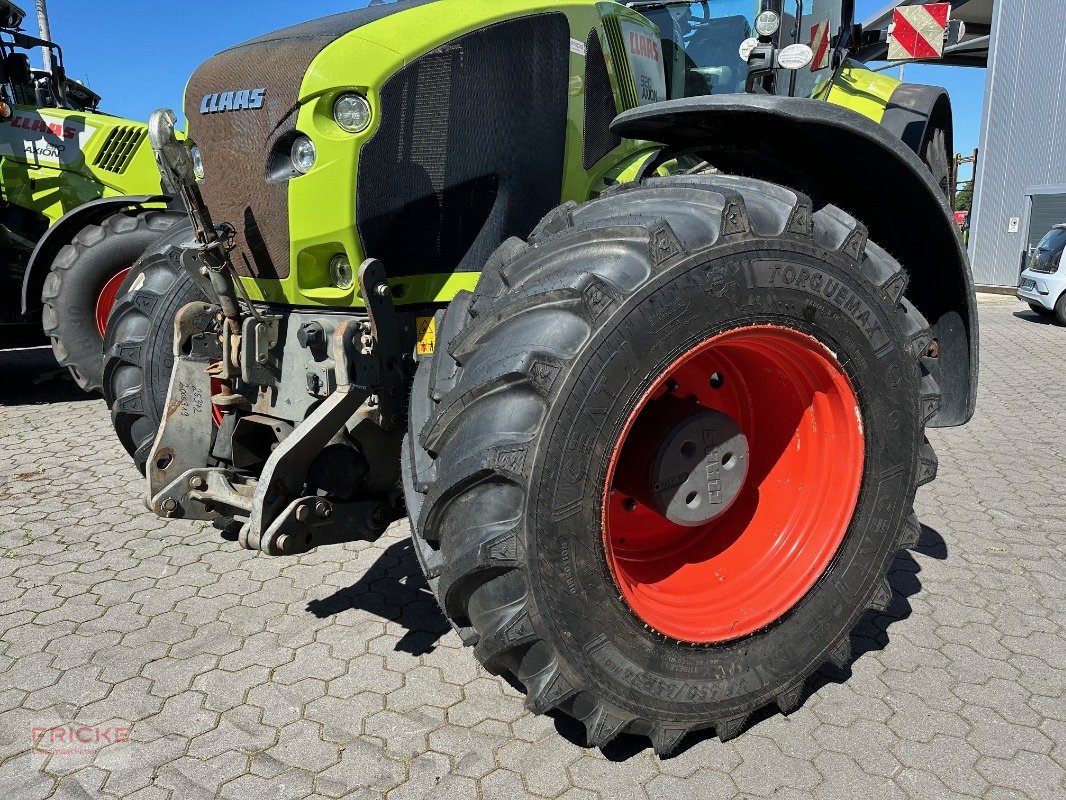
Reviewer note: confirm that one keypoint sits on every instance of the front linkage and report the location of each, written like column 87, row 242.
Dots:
column 273, row 421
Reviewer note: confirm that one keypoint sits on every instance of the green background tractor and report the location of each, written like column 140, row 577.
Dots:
column 638, row 313
column 76, row 186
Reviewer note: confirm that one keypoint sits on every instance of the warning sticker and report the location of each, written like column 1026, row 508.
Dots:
column 820, row 41
column 917, row 32
column 426, row 332
column 646, row 62
column 578, row 47
column 44, row 139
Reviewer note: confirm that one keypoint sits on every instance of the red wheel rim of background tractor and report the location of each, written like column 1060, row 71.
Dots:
column 105, row 301
column 745, row 569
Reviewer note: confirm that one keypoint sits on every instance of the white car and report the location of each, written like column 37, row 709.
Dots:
column 1043, row 284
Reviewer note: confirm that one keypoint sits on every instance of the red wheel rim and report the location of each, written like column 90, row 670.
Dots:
column 105, row 301
column 216, row 413
column 741, row 571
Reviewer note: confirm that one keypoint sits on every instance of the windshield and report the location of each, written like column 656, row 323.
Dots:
column 701, row 43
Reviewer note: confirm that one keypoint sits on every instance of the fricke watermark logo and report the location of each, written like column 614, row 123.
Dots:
column 68, row 740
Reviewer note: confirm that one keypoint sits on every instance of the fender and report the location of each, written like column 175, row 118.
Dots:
column 837, row 156
column 914, row 111
column 64, row 231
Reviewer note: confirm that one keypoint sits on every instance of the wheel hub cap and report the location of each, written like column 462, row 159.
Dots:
column 700, row 468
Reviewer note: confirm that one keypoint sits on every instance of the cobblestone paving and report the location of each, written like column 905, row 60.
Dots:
column 334, row 674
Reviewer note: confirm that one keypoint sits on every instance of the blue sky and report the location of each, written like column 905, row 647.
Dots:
column 139, row 58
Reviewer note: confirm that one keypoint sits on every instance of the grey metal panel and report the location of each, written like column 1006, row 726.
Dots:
column 1023, row 136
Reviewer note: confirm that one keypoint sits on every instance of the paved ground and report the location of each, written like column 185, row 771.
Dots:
column 334, row 675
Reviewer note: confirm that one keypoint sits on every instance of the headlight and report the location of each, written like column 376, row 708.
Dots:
column 340, row 272
column 197, row 162
column 767, row 23
column 303, row 155
column 352, row 113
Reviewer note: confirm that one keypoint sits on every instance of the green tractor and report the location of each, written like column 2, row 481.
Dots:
column 638, row 313
column 79, row 203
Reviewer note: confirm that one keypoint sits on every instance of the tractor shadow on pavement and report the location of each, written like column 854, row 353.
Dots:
column 871, row 634
column 394, row 589
column 31, row 376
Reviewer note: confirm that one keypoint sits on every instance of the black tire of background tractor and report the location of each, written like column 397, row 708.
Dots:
column 77, row 277
column 519, row 567
column 1060, row 309
column 936, row 157
column 1039, row 309
column 138, row 348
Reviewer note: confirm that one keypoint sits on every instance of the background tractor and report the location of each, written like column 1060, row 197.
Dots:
column 599, row 297
column 76, row 189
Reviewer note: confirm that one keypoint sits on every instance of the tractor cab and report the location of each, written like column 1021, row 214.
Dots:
column 20, row 84
column 712, row 47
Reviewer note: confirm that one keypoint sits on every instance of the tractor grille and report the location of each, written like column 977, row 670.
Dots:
column 470, row 149
column 616, row 45
column 119, row 148
column 238, row 145
column 600, row 109
column 235, row 146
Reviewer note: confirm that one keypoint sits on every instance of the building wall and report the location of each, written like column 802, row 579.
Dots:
column 1023, row 135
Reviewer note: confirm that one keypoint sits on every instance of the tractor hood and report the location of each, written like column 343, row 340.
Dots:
column 242, row 107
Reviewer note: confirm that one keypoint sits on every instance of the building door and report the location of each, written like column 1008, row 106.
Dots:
column 1045, row 211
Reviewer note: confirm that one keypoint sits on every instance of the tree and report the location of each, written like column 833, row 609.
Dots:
column 964, row 199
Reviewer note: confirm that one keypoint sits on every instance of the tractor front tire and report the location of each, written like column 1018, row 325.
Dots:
column 85, row 281
column 665, row 454
column 139, row 345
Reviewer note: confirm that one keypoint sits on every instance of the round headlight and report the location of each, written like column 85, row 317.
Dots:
column 303, row 155
column 352, row 113
column 340, row 272
column 767, row 23
column 197, row 162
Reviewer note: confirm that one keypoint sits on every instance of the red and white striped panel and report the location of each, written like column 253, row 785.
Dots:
column 918, row 31
column 820, row 41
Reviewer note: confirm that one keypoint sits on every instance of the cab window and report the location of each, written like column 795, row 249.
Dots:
column 701, row 44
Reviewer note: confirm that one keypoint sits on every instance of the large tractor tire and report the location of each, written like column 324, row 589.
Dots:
column 85, row 281
column 139, row 346
column 936, row 157
column 665, row 454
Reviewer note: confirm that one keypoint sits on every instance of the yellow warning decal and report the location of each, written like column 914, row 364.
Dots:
column 426, row 328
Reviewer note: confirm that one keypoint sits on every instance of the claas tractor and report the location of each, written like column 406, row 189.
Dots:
column 80, row 202
column 639, row 314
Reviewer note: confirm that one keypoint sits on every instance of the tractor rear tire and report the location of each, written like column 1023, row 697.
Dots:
column 679, row 295
column 84, row 282
column 936, row 157
column 139, row 345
